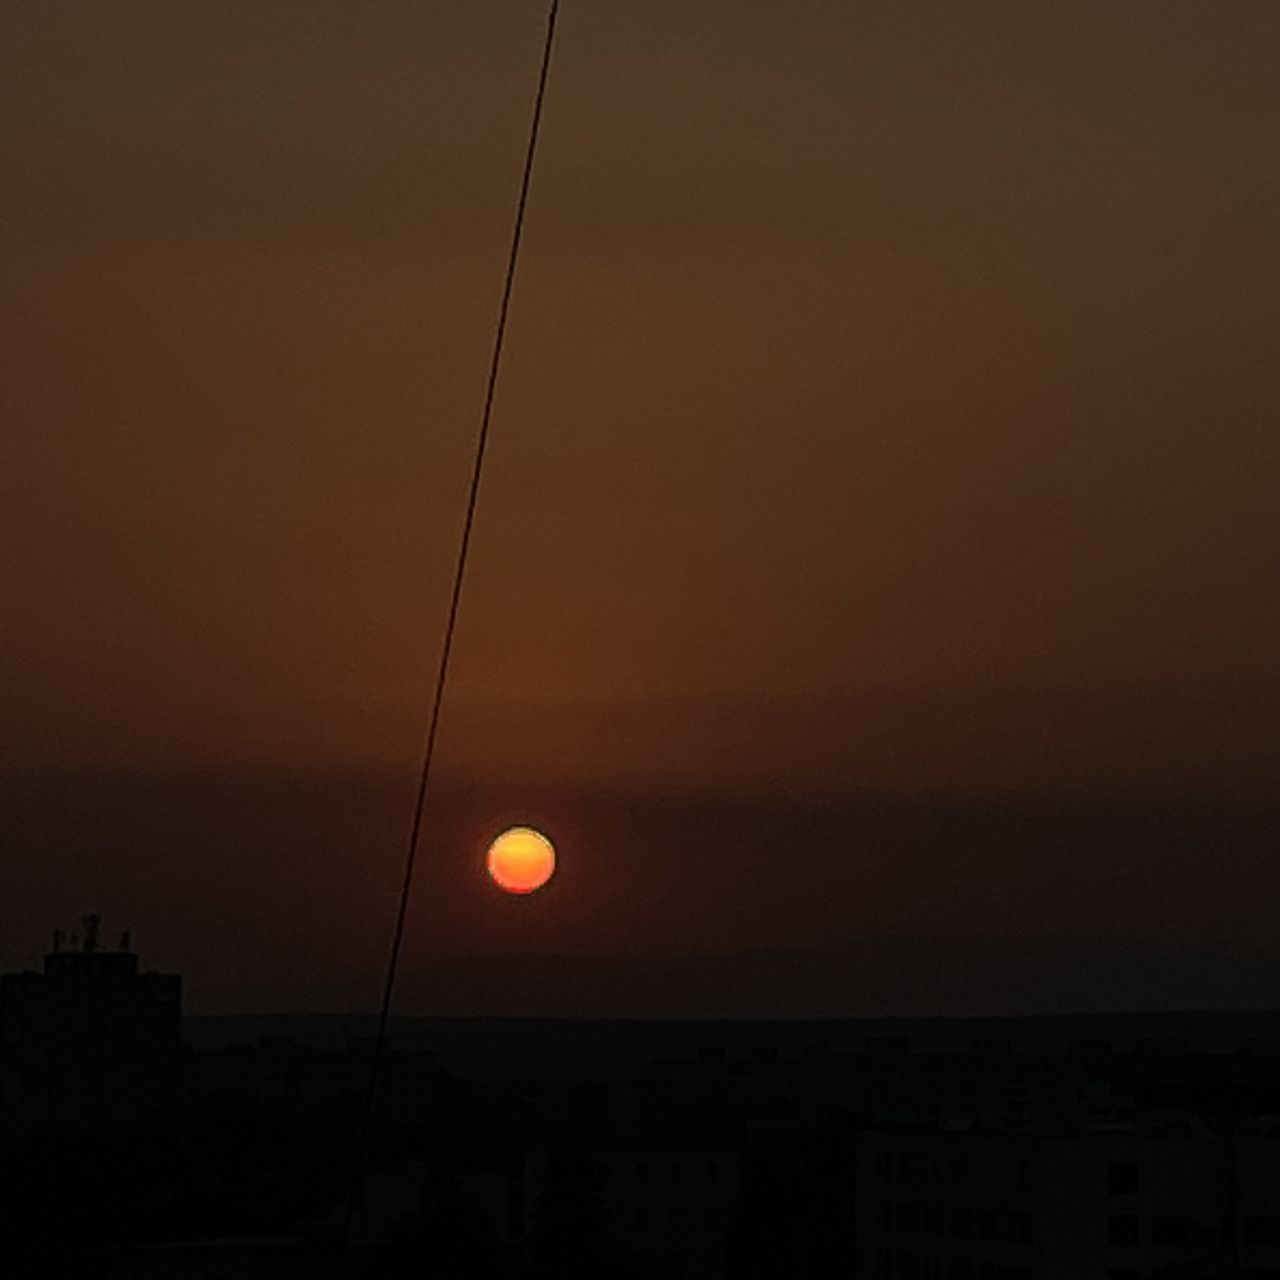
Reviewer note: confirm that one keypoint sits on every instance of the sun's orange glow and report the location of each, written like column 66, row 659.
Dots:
column 521, row 860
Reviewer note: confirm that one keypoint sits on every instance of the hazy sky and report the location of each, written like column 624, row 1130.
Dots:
column 891, row 408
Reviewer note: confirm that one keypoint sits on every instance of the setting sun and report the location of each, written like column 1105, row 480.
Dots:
column 521, row 860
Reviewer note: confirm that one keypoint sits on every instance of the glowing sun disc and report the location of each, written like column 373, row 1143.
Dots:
column 521, row 860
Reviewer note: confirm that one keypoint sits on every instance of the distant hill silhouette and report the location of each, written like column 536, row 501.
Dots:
column 904, row 977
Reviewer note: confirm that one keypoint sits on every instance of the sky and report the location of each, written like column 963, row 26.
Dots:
column 875, row 547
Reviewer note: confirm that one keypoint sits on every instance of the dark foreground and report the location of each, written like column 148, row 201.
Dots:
column 137, row 1145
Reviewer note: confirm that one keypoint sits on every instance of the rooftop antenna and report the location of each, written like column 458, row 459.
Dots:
column 91, row 926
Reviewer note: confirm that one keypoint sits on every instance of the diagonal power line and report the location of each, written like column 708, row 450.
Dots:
column 442, row 671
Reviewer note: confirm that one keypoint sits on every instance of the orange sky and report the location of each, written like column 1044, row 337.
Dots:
column 891, row 399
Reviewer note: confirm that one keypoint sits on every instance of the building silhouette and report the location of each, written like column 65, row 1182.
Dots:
column 1143, row 1198
column 90, row 1043
column 1137, row 1148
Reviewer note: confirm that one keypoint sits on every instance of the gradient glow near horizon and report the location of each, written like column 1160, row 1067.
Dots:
column 521, row 860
